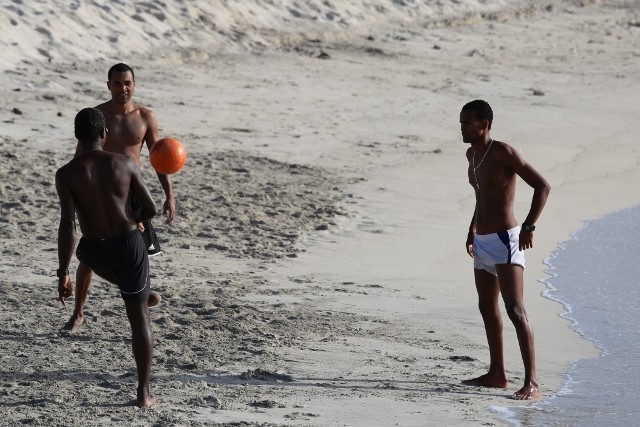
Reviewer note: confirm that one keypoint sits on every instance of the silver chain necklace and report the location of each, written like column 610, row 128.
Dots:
column 473, row 164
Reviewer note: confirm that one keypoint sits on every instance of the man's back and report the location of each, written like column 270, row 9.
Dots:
column 96, row 186
column 99, row 184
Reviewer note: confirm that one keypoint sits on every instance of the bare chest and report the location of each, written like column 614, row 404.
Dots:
column 126, row 133
column 489, row 175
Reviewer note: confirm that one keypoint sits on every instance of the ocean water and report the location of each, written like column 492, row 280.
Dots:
column 596, row 276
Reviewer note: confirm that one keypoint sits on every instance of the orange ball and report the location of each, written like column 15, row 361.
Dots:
column 167, row 155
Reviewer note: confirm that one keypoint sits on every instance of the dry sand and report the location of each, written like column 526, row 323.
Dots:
column 316, row 273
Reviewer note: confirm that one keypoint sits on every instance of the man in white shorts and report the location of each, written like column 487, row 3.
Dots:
column 497, row 243
column 497, row 248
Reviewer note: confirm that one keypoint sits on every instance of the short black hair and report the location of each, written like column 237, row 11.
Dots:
column 482, row 109
column 120, row 68
column 88, row 124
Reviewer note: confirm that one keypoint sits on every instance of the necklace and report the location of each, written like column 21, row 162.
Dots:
column 473, row 164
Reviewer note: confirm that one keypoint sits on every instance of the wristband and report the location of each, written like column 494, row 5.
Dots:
column 528, row 227
column 62, row 273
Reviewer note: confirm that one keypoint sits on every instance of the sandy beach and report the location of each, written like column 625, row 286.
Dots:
column 316, row 273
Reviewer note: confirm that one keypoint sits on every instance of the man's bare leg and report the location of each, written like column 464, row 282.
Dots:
column 488, row 290
column 83, row 280
column 142, row 344
column 512, row 288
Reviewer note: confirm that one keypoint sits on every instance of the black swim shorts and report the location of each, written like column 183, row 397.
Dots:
column 149, row 234
column 121, row 260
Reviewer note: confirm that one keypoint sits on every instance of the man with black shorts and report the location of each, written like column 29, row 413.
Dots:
column 130, row 126
column 97, row 185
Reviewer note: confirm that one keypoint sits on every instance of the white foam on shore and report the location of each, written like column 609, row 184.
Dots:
column 576, row 393
column 60, row 31
column 512, row 415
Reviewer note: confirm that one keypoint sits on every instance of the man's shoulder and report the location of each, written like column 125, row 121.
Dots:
column 115, row 161
column 145, row 112
column 104, row 107
column 507, row 154
column 96, row 156
column 69, row 170
column 62, row 170
column 502, row 146
column 139, row 109
column 118, row 157
column 134, row 108
column 468, row 153
column 140, row 112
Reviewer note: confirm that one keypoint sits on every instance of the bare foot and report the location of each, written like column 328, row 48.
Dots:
column 154, row 299
column 528, row 392
column 487, row 380
column 146, row 402
column 73, row 324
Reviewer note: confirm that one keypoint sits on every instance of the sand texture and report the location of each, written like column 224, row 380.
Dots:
column 316, row 273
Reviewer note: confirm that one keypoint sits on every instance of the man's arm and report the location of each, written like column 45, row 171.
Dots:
column 541, row 189
column 66, row 237
column 471, row 234
column 169, row 208
column 142, row 194
column 472, row 226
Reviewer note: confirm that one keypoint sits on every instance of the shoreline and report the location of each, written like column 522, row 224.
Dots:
column 580, row 402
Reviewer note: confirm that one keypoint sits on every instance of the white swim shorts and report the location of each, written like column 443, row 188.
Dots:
column 497, row 248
